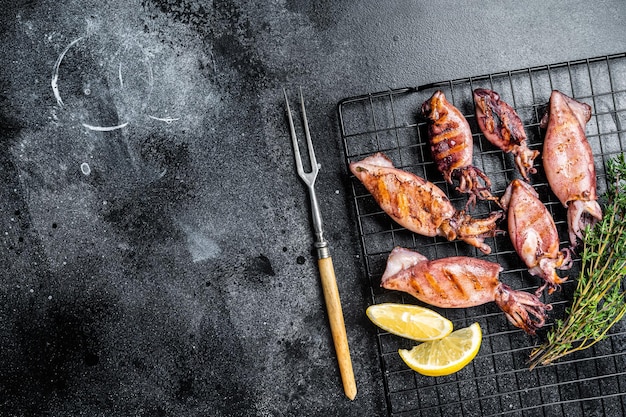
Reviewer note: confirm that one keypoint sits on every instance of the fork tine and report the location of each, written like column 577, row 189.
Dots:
column 294, row 138
column 308, row 177
column 307, row 134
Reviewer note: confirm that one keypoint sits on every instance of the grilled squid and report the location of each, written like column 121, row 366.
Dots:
column 419, row 205
column 534, row 235
column 503, row 128
column 452, row 147
column 568, row 162
column 461, row 281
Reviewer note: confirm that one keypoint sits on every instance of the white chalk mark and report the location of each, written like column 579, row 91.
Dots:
column 85, row 168
column 55, row 73
column 167, row 120
column 105, row 128
column 119, row 74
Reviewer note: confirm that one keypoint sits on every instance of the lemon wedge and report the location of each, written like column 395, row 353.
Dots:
column 409, row 321
column 444, row 356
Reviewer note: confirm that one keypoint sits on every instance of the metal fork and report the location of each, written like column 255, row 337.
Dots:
column 324, row 260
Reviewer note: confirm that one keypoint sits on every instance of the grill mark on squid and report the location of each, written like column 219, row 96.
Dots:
column 455, row 282
column 478, row 286
column 450, row 151
column 402, row 204
column 448, row 133
column 432, row 282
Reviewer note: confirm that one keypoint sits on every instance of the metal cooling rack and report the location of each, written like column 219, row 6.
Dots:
column 498, row 381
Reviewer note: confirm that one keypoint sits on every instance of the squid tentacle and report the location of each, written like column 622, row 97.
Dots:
column 524, row 159
column 472, row 230
column 522, row 309
column 581, row 214
column 469, row 183
column 546, row 269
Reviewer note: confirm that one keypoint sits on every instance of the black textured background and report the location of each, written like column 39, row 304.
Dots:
column 172, row 275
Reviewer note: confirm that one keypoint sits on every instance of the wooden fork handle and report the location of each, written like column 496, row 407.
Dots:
column 337, row 325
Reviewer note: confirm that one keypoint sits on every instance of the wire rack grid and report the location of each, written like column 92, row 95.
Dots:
column 498, row 381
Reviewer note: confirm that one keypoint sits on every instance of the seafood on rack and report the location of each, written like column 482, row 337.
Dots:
column 502, row 126
column 461, row 281
column 568, row 162
column 534, row 235
column 452, row 147
column 419, row 205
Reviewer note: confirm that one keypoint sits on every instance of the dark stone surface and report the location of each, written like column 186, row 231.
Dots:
column 165, row 268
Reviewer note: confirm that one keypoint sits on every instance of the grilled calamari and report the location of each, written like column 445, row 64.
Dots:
column 452, row 147
column 568, row 162
column 534, row 235
column 461, row 281
column 419, row 205
column 503, row 128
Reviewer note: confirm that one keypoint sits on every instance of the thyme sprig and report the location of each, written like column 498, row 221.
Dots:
column 599, row 300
